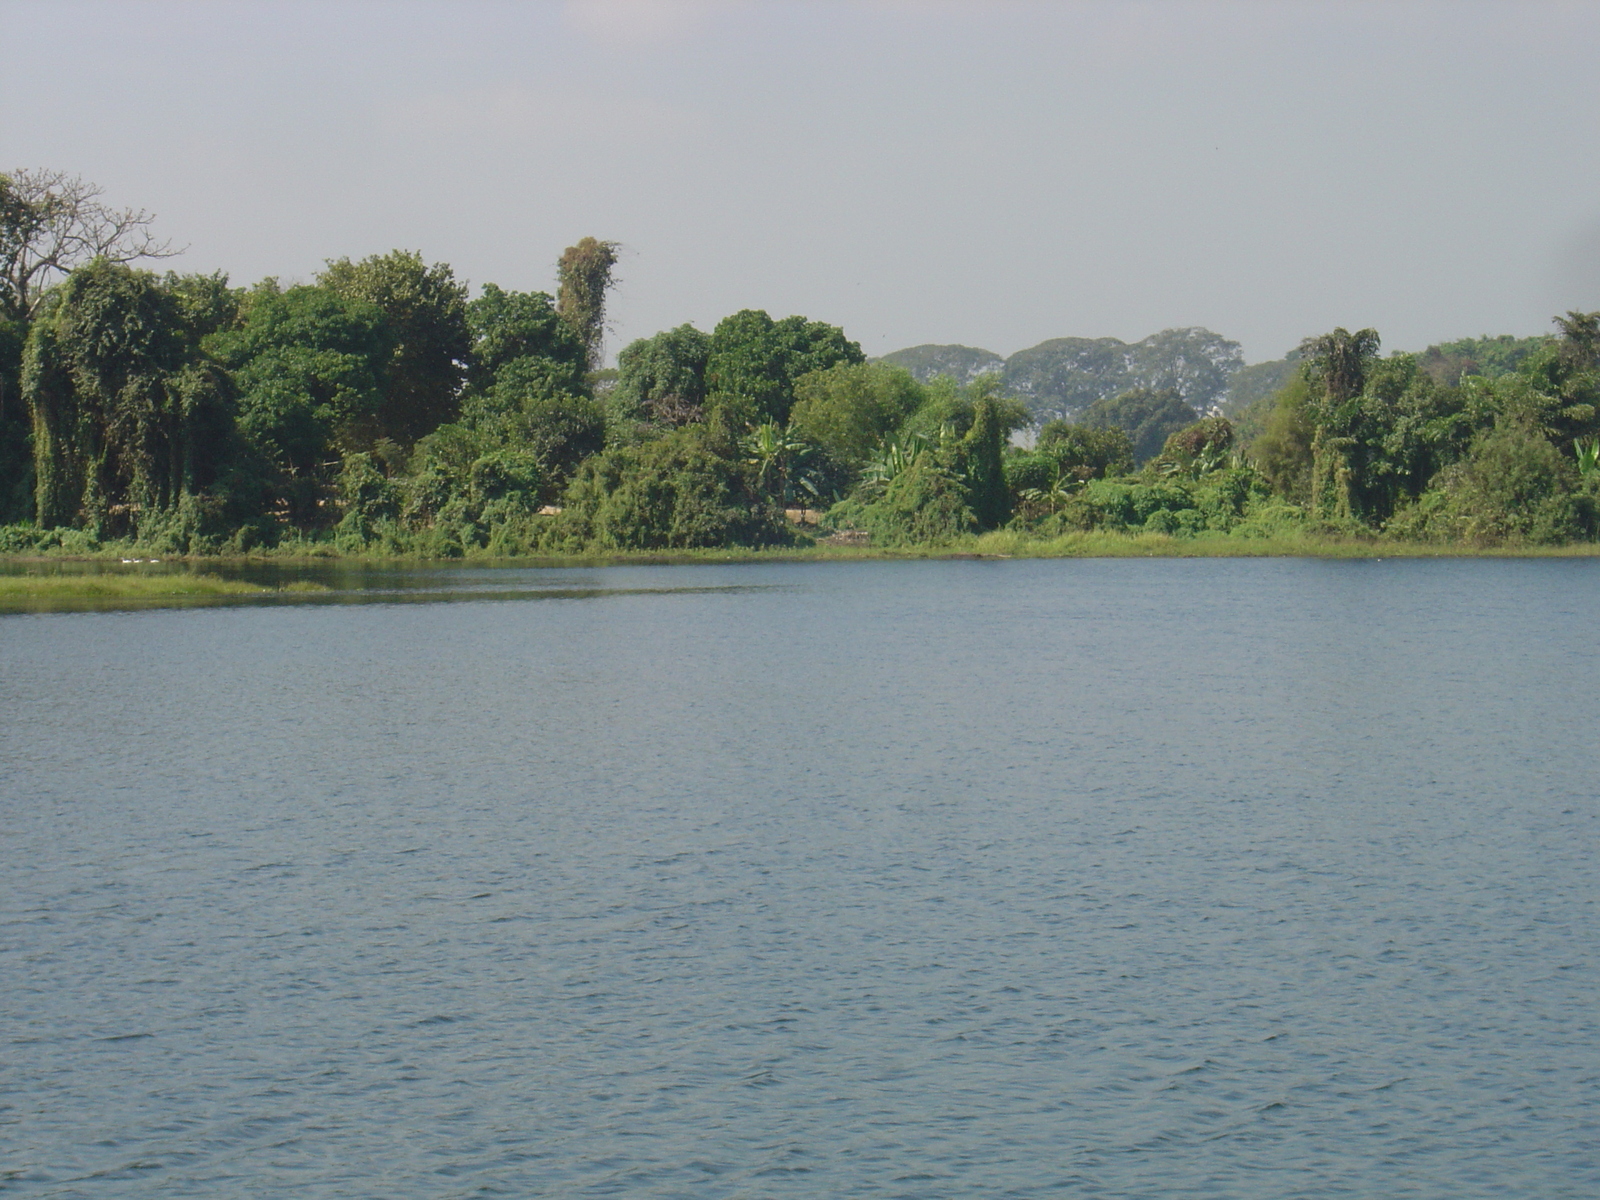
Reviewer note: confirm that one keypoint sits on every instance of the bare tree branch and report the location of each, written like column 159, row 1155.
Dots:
column 52, row 222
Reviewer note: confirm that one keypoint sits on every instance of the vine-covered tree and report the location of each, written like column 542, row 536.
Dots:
column 1336, row 365
column 16, row 458
column 128, row 418
column 584, row 276
column 662, row 379
column 985, row 475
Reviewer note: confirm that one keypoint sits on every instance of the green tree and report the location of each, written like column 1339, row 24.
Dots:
column 778, row 456
column 529, row 410
column 1251, row 389
column 1282, row 451
column 584, row 277
column 1513, row 486
column 309, row 366
column 426, row 312
column 849, row 409
column 1196, row 450
column 1085, row 452
column 755, row 361
column 1580, row 340
column 507, row 326
column 1147, row 417
column 1038, row 484
column 1337, row 363
column 1448, row 363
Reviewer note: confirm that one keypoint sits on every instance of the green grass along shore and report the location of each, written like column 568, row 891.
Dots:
column 97, row 568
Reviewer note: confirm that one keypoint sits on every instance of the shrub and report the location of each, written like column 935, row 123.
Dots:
column 923, row 504
column 675, row 492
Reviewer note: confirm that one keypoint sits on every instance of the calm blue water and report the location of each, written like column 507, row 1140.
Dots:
column 1112, row 878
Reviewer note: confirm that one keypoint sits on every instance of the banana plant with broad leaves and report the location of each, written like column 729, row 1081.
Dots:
column 1050, row 499
column 897, row 455
column 1211, row 457
column 1588, row 452
column 778, row 455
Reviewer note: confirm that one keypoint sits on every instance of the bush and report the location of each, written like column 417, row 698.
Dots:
column 1025, row 472
column 923, row 504
column 1513, row 486
column 676, row 492
column 1086, row 452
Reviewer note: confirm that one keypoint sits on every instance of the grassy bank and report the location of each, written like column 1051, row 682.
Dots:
column 1155, row 545
column 111, row 582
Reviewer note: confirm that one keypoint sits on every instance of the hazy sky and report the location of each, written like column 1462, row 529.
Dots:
column 987, row 173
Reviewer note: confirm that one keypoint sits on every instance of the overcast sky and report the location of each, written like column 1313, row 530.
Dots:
column 987, row 173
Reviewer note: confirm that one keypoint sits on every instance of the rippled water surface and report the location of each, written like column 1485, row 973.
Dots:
column 1206, row 878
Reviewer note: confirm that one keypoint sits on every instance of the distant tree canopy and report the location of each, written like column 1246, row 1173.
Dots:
column 1256, row 382
column 1062, row 377
column 963, row 364
column 1065, row 376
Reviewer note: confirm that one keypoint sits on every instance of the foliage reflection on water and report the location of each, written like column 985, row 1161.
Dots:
column 353, row 583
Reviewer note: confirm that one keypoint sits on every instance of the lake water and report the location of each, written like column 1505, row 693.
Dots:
column 1206, row 878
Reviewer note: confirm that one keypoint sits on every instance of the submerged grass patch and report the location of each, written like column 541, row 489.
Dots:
column 74, row 588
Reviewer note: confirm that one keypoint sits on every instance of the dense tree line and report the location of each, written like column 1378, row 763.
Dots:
column 383, row 408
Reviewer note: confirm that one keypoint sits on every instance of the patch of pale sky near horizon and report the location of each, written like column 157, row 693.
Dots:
column 993, row 174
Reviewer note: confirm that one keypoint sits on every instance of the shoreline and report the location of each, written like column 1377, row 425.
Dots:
column 112, row 580
column 998, row 544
